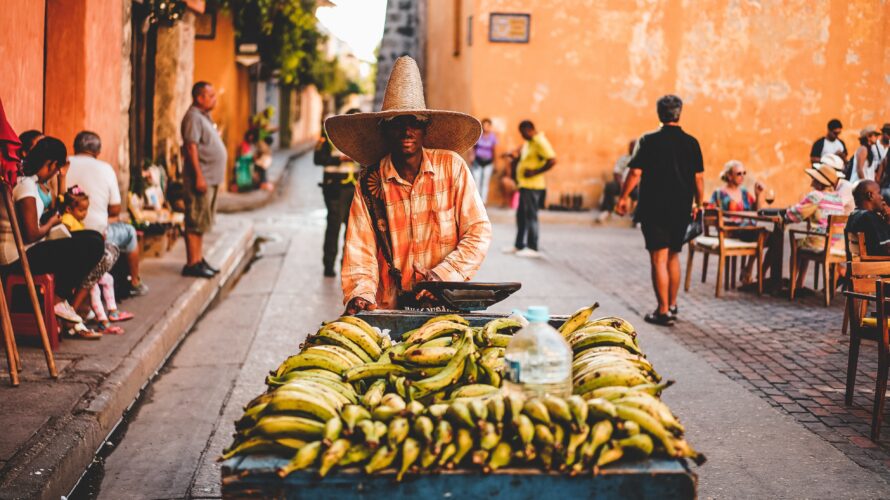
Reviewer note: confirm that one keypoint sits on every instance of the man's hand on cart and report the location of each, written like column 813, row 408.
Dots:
column 358, row 304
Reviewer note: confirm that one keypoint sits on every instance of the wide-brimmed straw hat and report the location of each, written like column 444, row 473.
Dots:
column 824, row 174
column 868, row 130
column 360, row 137
column 832, row 160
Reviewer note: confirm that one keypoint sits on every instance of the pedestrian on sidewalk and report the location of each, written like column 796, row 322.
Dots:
column 612, row 189
column 416, row 215
column 531, row 162
column 205, row 166
column 483, row 159
column 831, row 143
column 68, row 259
column 98, row 180
column 668, row 166
column 337, row 187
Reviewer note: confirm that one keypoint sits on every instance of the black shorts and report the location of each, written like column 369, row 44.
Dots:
column 661, row 235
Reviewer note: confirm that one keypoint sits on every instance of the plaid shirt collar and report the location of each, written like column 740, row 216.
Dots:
column 392, row 175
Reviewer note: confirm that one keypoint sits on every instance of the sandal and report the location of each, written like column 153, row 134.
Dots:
column 116, row 316
column 107, row 328
column 673, row 311
column 78, row 331
column 656, row 318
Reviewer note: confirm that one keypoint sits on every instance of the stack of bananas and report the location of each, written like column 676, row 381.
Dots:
column 432, row 401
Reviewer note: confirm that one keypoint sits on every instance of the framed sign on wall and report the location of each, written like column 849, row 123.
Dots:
column 509, row 27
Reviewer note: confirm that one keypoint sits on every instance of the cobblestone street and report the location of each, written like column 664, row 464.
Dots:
column 791, row 354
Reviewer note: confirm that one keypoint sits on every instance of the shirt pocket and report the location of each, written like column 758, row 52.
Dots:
column 446, row 227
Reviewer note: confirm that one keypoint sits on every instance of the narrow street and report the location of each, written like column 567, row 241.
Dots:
column 757, row 446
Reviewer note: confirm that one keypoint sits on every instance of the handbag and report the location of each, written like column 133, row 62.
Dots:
column 696, row 227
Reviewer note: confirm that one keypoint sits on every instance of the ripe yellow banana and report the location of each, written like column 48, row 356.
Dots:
column 429, row 356
column 383, row 458
column 544, row 436
column 372, row 370
column 611, row 453
column 333, row 337
column 597, row 379
column 336, row 350
column 459, row 413
column 300, row 402
column 500, row 457
column 537, row 410
column 496, row 410
column 352, row 415
column 443, row 435
column 489, row 437
column 558, row 408
column 584, row 339
column 654, row 407
column 324, row 361
column 423, row 429
column 435, row 330
column 286, row 426
column 474, row 391
column 410, row 453
column 357, row 453
column 397, row 431
column 478, row 410
column 465, row 443
column 576, row 439
column 332, row 430
column 576, row 320
column 649, row 424
column 333, row 455
column 580, row 411
column 613, row 322
column 369, row 343
column 525, row 429
column 372, row 332
column 600, row 409
column 305, row 457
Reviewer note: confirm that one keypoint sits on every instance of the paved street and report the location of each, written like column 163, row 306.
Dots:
column 759, row 379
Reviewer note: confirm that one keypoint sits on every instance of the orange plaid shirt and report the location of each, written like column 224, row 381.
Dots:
column 438, row 224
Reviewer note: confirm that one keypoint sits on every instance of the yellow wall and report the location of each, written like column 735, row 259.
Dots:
column 759, row 79
column 215, row 63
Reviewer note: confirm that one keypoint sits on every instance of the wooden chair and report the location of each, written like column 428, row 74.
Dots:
column 827, row 257
column 868, row 285
column 722, row 244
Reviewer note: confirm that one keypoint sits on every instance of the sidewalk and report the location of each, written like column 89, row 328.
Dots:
column 282, row 160
column 501, row 215
column 52, row 428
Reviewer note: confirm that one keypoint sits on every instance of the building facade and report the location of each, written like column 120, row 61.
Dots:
column 760, row 79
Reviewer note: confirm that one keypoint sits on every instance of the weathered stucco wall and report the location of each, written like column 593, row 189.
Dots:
column 174, row 73
column 21, row 49
column 215, row 63
column 404, row 34
column 83, row 72
column 760, row 79
column 448, row 72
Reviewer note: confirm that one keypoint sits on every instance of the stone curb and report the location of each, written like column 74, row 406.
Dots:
column 56, row 462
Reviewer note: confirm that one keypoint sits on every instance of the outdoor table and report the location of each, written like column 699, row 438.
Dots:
column 776, row 243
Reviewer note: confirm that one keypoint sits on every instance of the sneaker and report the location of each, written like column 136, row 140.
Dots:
column 528, row 252
column 673, row 311
column 197, row 271
column 138, row 290
column 603, row 217
column 65, row 311
column 656, row 318
column 510, row 249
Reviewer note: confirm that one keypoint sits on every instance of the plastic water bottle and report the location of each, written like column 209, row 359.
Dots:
column 538, row 359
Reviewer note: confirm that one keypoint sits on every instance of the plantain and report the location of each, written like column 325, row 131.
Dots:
column 351, row 415
column 581, row 340
column 654, row 407
column 638, row 445
column 515, row 405
column 367, row 328
column 447, row 452
column 423, row 429
column 496, row 411
column 525, row 429
column 286, row 426
column 414, row 408
column 500, row 457
column 428, row 356
column 598, row 379
column 500, row 340
column 649, row 424
column 629, row 427
column 489, row 436
column 357, row 453
column 544, row 436
column 459, row 412
column 599, row 408
column 576, row 439
column 382, row 458
column 443, row 435
column 303, row 360
column 437, row 410
column 332, row 456
column 262, row 445
column 454, row 318
column 428, row 456
column 434, row 330
column 335, row 350
column 373, row 370
column 536, row 409
column 478, row 411
column 473, row 391
column 305, row 457
column 613, row 322
column 465, row 443
column 300, row 402
column 410, row 454
column 367, row 342
column 333, row 337
column 471, row 371
column 558, row 408
column 611, row 453
column 332, row 430
column 579, row 410
column 397, row 431
column 370, row 431
column 576, row 320
column 374, row 394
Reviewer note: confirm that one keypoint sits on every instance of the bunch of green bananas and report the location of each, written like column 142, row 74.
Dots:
column 351, row 398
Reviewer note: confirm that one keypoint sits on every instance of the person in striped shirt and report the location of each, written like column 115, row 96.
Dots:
column 416, row 215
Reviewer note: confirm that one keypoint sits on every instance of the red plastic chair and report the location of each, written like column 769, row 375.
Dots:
column 21, row 312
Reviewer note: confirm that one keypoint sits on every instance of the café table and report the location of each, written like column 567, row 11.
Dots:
column 776, row 239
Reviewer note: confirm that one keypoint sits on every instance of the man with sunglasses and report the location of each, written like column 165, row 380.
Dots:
column 416, row 215
column 830, row 144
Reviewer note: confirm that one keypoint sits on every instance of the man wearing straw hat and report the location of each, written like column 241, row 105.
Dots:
column 416, row 215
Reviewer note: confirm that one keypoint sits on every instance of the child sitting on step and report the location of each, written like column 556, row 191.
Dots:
column 75, row 206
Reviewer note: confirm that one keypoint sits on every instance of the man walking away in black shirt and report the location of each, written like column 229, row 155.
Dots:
column 668, row 166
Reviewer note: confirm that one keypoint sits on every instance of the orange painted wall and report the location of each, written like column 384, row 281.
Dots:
column 21, row 49
column 760, row 79
column 215, row 63
column 83, row 71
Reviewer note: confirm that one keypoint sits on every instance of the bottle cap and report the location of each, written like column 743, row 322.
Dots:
column 538, row 314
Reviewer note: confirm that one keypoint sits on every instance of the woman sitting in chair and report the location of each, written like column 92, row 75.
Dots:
column 815, row 208
column 733, row 196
